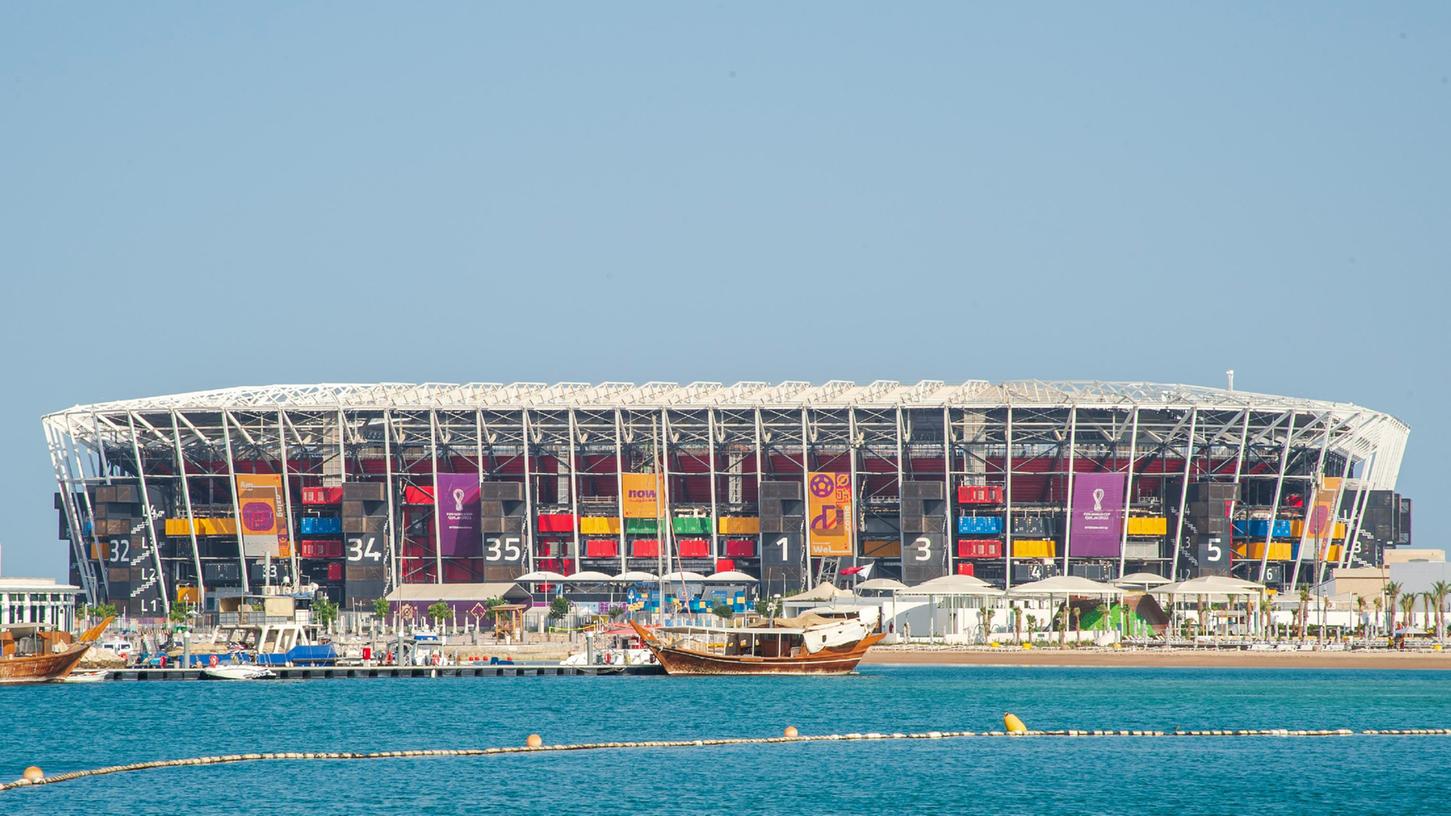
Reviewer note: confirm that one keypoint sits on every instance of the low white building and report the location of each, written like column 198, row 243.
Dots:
column 38, row 600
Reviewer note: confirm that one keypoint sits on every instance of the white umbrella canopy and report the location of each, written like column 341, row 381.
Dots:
column 1065, row 585
column 881, row 584
column 540, row 576
column 823, row 593
column 688, row 577
column 730, row 577
column 953, row 585
column 588, row 577
column 634, row 577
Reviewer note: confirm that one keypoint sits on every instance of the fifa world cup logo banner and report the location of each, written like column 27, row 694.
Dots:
column 1098, row 515
column 259, row 495
column 640, row 495
column 460, row 533
column 828, row 507
column 1320, row 520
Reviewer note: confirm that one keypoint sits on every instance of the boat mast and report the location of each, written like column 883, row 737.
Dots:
column 660, row 555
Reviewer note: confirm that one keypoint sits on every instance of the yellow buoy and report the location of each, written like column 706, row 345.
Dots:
column 791, row 731
column 1013, row 725
column 534, row 741
column 32, row 774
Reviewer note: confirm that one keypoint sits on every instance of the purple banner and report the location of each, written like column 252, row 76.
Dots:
column 457, row 500
column 1098, row 515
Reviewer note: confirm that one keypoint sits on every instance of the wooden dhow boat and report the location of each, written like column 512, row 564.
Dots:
column 806, row 644
column 43, row 664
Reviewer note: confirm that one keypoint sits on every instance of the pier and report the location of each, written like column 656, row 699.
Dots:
column 366, row 672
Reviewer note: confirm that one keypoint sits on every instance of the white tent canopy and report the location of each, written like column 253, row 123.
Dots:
column 1065, row 585
column 634, row 577
column 1143, row 579
column 540, row 576
column 683, row 577
column 1210, row 585
column 587, row 577
column 729, row 577
column 881, row 584
column 953, row 585
column 823, row 593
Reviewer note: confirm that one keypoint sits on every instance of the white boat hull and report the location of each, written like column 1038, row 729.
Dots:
column 237, row 673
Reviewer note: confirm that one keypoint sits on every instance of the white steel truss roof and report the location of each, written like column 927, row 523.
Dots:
column 789, row 394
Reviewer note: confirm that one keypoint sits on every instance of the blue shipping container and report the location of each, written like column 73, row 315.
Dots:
column 980, row 525
column 1257, row 528
column 321, row 525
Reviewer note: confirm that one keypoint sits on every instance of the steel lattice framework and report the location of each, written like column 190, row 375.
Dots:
column 569, row 446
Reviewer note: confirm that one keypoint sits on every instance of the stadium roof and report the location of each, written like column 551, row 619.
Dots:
column 789, row 394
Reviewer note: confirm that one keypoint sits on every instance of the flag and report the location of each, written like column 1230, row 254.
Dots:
column 861, row 572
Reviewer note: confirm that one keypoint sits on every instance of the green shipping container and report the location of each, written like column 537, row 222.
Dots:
column 692, row 525
column 641, row 525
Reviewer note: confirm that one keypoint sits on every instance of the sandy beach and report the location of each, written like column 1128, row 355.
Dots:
column 1158, row 658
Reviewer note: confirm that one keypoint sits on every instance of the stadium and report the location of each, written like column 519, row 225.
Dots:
column 361, row 488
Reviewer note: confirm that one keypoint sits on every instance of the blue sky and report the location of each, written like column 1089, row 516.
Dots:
column 195, row 196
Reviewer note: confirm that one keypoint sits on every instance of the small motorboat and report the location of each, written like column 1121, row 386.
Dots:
column 85, row 676
column 239, row 671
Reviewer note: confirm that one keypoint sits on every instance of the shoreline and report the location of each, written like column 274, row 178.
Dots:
column 1158, row 658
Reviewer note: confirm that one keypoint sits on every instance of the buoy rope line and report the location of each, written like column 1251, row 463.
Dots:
column 34, row 777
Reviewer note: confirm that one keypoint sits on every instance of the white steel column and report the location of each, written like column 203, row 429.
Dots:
column 151, row 516
column 573, row 487
column 949, row 535
column 856, row 503
column 196, row 559
column 1008, row 502
column 1068, row 497
column 236, row 505
column 714, row 511
column 531, row 513
column 1275, row 505
column 1184, row 490
column 667, row 518
column 1238, row 473
column 63, row 477
column 1123, row 543
column 292, row 540
column 620, row 485
column 806, row 494
column 901, row 475
column 1315, row 481
column 394, row 537
column 437, row 497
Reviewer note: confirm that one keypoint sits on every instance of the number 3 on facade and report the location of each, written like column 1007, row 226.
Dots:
column 923, row 549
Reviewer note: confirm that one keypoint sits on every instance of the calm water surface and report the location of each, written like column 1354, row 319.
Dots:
column 67, row 727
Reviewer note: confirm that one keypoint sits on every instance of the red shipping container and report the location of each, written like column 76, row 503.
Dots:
column 313, row 548
column 980, row 494
column 964, row 569
column 693, row 548
column 741, row 547
column 418, row 495
column 724, row 565
column 979, row 548
column 322, row 495
column 335, row 572
column 601, row 548
column 556, row 523
column 645, row 548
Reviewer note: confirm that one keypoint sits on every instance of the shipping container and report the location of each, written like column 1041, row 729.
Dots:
column 980, row 494
column 601, row 548
column 599, row 525
column 980, row 525
column 322, row 495
column 693, row 547
column 1034, row 548
column 1257, row 528
column 740, row 525
column 642, row 526
column 417, row 495
column 645, row 548
column 741, row 547
column 320, row 525
column 1148, row 526
column 691, row 525
column 964, row 568
column 556, row 523
column 980, row 548
column 724, row 565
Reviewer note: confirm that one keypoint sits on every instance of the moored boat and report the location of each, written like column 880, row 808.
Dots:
column 806, row 644
column 43, row 663
column 239, row 671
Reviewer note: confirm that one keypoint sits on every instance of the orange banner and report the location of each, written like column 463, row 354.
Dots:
column 640, row 495
column 259, row 495
column 1320, row 517
column 828, row 506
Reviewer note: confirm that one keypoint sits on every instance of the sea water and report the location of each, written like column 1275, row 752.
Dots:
column 67, row 727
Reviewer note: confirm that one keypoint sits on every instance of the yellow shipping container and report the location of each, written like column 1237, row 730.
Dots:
column 1034, row 548
column 1279, row 551
column 740, row 525
column 188, row 595
column 1297, row 529
column 1148, row 525
column 204, row 527
column 881, row 548
column 599, row 525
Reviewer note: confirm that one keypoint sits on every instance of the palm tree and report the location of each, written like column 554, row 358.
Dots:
column 1408, row 606
column 1439, row 591
column 1360, row 612
column 1304, row 600
column 1378, row 620
column 1265, row 608
column 1392, row 591
column 986, row 616
column 1426, row 609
